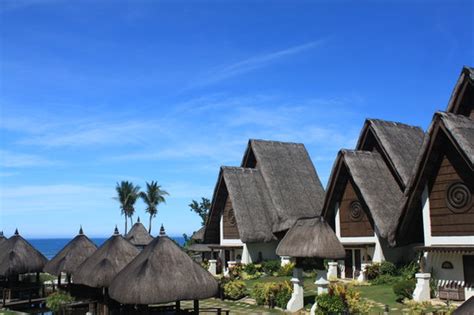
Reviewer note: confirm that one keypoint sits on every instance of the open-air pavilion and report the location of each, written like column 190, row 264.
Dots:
column 162, row 273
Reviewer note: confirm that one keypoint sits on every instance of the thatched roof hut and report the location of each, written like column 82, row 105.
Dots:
column 199, row 234
column 466, row 308
column 17, row 256
column 2, row 237
column 106, row 262
column 162, row 273
column 311, row 237
column 72, row 255
column 138, row 235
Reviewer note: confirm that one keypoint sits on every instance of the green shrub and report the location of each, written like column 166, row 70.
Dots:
column 235, row 290
column 328, row 303
column 236, row 272
column 271, row 266
column 272, row 293
column 408, row 271
column 385, row 279
column 58, row 300
column 404, row 289
column 388, row 268
column 286, row 270
column 252, row 269
column 373, row 271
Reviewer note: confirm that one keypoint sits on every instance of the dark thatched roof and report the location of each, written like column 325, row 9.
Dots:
column 291, row 178
column 398, row 143
column 2, row 237
column 462, row 98
column 276, row 185
column 162, row 273
column 199, row 234
column 374, row 184
column 72, row 255
column 311, row 237
column 17, row 256
column 138, row 235
column 252, row 204
column 447, row 131
column 466, row 308
column 106, row 262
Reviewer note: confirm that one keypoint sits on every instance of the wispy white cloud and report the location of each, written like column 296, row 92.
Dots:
column 13, row 159
column 253, row 63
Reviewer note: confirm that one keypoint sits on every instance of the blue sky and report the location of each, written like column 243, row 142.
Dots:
column 95, row 92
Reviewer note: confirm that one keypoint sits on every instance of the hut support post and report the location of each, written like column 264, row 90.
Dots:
column 178, row 307
column 297, row 297
column 196, row 307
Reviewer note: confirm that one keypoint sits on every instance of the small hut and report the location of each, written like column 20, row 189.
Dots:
column 17, row 256
column 102, row 266
column 138, row 235
column 162, row 273
column 198, row 236
column 309, row 238
column 71, row 256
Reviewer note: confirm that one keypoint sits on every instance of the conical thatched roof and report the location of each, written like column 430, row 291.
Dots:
column 311, row 237
column 72, row 255
column 162, row 273
column 138, row 235
column 199, row 234
column 106, row 262
column 466, row 308
column 17, row 256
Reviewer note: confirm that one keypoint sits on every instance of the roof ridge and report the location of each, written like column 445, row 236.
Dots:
column 276, row 142
column 392, row 123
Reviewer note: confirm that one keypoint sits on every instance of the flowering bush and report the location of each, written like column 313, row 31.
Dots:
column 235, row 289
column 272, row 293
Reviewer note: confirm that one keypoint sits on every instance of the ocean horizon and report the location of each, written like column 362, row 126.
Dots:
column 49, row 247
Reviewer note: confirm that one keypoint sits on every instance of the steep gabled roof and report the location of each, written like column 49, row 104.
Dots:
column 459, row 131
column 252, row 204
column 291, row 178
column 373, row 183
column 276, row 185
column 398, row 144
column 462, row 98
column 138, row 235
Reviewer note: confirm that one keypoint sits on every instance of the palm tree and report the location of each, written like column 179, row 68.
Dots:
column 153, row 197
column 127, row 195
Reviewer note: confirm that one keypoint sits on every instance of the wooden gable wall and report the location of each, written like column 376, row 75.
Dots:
column 353, row 218
column 451, row 202
column 230, row 228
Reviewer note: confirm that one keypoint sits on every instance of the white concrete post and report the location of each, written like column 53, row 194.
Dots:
column 332, row 271
column 297, row 297
column 213, row 267
column 285, row 260
column 231, row 264
column 342, row 267
column 363, row 273
column 422, row 289
column 322, row 283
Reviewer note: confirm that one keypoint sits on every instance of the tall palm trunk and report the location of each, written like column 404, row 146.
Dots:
column 131, row 222
column 125, row 225
column 149, row 225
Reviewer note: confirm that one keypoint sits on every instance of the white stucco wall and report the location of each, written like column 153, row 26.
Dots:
column 251, row 250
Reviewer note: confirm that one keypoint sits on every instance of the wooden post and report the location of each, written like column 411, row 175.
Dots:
column 59, row 280
column 178, row 307
column 196, row 307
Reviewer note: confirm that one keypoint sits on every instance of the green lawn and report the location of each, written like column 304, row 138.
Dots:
column 382, row 293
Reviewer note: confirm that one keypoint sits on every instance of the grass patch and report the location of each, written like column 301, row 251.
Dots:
column 382, row 293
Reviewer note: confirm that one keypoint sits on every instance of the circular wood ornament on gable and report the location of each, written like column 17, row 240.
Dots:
column 356, row 211
column 231, row 217
column 458, row 197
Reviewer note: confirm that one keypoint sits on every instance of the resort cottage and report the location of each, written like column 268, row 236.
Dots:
column 439, row 199
column 255, row 204
column 365, row 192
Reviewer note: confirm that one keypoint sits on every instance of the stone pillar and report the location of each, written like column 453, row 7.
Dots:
column 285, row 260
column 342, row 267
column 297, row 297
column 422, row 289
column 363, row 273
column 322, row 283
column 231, row 264
column 332, row 271
column 213, row 267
